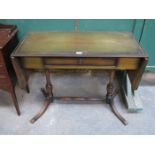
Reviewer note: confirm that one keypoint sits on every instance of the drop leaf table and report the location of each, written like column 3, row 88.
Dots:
column 8, row 42
column 107, row 51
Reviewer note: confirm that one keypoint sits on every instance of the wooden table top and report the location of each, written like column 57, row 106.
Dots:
column 79, row 44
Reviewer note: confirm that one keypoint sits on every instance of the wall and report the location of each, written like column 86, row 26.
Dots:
column 68, row 25
column 25, row 25
column 148, row 41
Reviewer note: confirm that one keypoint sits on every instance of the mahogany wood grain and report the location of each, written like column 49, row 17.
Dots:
column 8, row 43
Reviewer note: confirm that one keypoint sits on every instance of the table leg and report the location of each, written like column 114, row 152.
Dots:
column 110, row 97
column 48, row 93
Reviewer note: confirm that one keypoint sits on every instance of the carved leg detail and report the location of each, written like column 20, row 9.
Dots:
column 110, row 98
column 49, row 87
column 48, row 95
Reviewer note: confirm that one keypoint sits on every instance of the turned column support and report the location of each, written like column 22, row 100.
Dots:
column 49, row 87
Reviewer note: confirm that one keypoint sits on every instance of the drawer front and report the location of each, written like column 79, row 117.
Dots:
column 99, row 61
column 85, row 63
column 36, row 63
column 80, row 61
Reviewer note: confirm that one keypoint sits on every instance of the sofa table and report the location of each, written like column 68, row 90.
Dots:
column 107, row 51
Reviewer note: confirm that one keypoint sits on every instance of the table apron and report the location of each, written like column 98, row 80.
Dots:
column 80, row 63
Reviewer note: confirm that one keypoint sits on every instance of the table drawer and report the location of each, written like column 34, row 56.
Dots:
column 80, row 61
column 113, row 63
column 37, row 63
